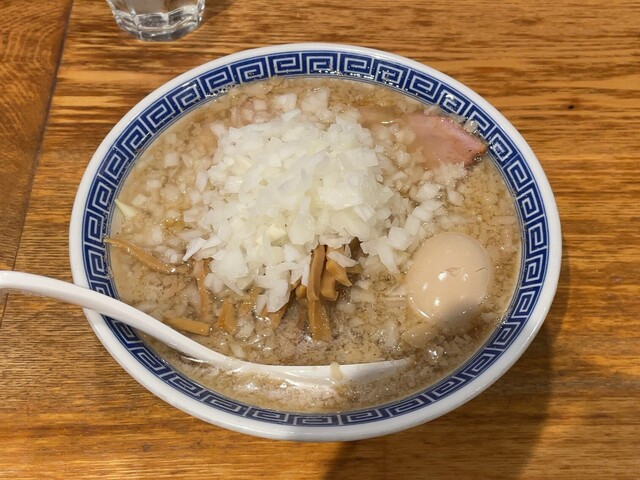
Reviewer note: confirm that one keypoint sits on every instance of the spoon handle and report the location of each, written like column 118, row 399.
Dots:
column 84, row 297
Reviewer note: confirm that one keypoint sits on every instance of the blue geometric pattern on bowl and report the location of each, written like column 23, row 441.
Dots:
column 174, row 104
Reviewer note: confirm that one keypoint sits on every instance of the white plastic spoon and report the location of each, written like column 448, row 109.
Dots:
column 84, row 297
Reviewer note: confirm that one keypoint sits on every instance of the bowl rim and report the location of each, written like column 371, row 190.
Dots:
column 333, row 432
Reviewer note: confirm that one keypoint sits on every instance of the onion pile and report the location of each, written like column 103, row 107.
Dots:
column 279, row 188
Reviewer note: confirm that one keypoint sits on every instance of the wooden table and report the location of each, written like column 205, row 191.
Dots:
column 567, row 75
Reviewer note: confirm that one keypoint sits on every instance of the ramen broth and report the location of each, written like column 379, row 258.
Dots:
column 189, row 202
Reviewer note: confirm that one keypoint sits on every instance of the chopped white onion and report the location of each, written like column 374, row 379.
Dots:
column 278, row 188
column 341, row 259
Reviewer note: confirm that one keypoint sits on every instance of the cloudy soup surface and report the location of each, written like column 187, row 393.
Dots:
column 317, row 221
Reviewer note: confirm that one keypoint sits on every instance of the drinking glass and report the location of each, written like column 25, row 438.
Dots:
column 157, row 20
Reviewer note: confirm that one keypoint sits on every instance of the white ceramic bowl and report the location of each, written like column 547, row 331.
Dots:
column 537, row 212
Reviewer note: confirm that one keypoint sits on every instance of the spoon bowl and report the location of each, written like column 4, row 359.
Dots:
column 111, row 307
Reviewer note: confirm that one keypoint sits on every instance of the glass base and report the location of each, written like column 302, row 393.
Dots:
column 160, row 27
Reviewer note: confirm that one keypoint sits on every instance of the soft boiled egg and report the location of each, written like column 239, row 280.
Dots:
column 449, row 279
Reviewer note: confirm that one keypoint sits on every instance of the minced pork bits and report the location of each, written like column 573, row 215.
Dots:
column 277, row 224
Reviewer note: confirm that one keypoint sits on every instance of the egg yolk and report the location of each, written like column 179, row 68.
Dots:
column 449, row 278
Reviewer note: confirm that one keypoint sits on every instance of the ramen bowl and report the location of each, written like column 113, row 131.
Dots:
column 535, row 207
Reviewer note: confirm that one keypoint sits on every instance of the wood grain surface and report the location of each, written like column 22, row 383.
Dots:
column 27, row 73
column 566, row 74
